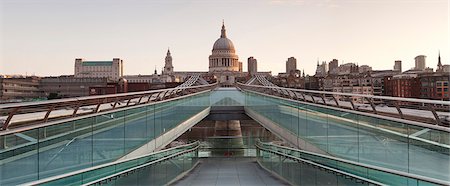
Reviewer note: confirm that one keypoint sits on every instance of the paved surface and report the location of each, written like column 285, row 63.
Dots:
column 229, row 171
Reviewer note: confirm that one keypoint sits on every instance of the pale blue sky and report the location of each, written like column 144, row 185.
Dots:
column 44, row 37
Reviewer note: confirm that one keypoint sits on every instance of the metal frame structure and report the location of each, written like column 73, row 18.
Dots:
column 343, row 100
column 71, row 107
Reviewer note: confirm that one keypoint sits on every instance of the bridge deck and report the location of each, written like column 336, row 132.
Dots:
column 229, row 171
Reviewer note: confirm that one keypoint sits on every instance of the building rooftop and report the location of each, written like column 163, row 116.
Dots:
column 97, row 63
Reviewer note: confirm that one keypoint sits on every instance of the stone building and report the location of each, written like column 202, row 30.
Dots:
column 224, row 64
column 20, row 88
column 99, row 69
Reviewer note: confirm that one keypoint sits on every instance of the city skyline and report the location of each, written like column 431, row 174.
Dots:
column 36, row 36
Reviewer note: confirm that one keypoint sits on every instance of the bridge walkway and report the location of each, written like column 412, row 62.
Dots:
column 229, row 171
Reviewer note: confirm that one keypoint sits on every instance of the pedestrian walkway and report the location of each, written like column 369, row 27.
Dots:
column 229, row 171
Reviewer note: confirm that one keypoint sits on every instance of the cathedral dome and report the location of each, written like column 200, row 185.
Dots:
column 223, row 43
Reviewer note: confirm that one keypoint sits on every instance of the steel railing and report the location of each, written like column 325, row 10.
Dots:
column 44, row 111
column 431, row 111
column 379, row 174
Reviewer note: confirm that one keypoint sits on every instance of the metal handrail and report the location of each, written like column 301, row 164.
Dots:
column 321, row 166
column 381, row 169
column 409, row 122
column 56, row 101
column 56, row 122
column 194, row 145
column 123, row 99
column 350, row 94
column 293, row 94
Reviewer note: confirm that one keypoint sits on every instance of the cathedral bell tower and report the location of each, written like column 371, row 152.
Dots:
column 168, row 68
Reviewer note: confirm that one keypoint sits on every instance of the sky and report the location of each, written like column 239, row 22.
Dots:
column 43, row 37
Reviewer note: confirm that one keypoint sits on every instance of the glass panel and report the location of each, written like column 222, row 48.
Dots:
column 24, row 144
column 109, row 142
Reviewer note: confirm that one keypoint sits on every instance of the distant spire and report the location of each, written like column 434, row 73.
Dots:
column 439, row 65
column 439, row 59
column 155, row 70
column 168, row 51
column 223, row 33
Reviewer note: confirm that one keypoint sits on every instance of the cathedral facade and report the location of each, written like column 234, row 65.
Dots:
column 224, row 64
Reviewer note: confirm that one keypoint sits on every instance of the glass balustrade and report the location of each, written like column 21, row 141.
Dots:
column 88, row 141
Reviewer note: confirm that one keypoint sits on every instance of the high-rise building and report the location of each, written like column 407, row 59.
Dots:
column 252, row 65
column 168, row 67
column 333, row 66
column 420, row 62
column 99, row 69
column 398, row 66
column 291, row 65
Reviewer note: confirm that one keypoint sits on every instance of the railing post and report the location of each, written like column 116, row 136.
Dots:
column 8, row 119
column 323, row 99
column 351, row 102
column 436, row 116
column 371, row 104
column 97, row 107
column 48, row 113
column 312, row 97
column 129, row 100
column 74, row 113
column 398, row 110
column 303, row 95
column 335, row 100
column 139, row 101
column 115, row 103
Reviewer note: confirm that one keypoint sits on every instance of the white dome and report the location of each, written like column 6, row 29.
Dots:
column 223, row 43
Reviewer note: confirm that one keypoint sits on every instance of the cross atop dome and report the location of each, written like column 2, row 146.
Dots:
column 223, row 31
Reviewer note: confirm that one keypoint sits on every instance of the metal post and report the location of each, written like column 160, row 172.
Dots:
column 398, row 109
column 10, row 115
column 98, row 107
column 371, row 104
column 139, row 101
column 323, row 99
column 436, row 116
column 353, row 105
column 74, row 113
column 312, row 97
column 336, row 101
column 48, row 113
